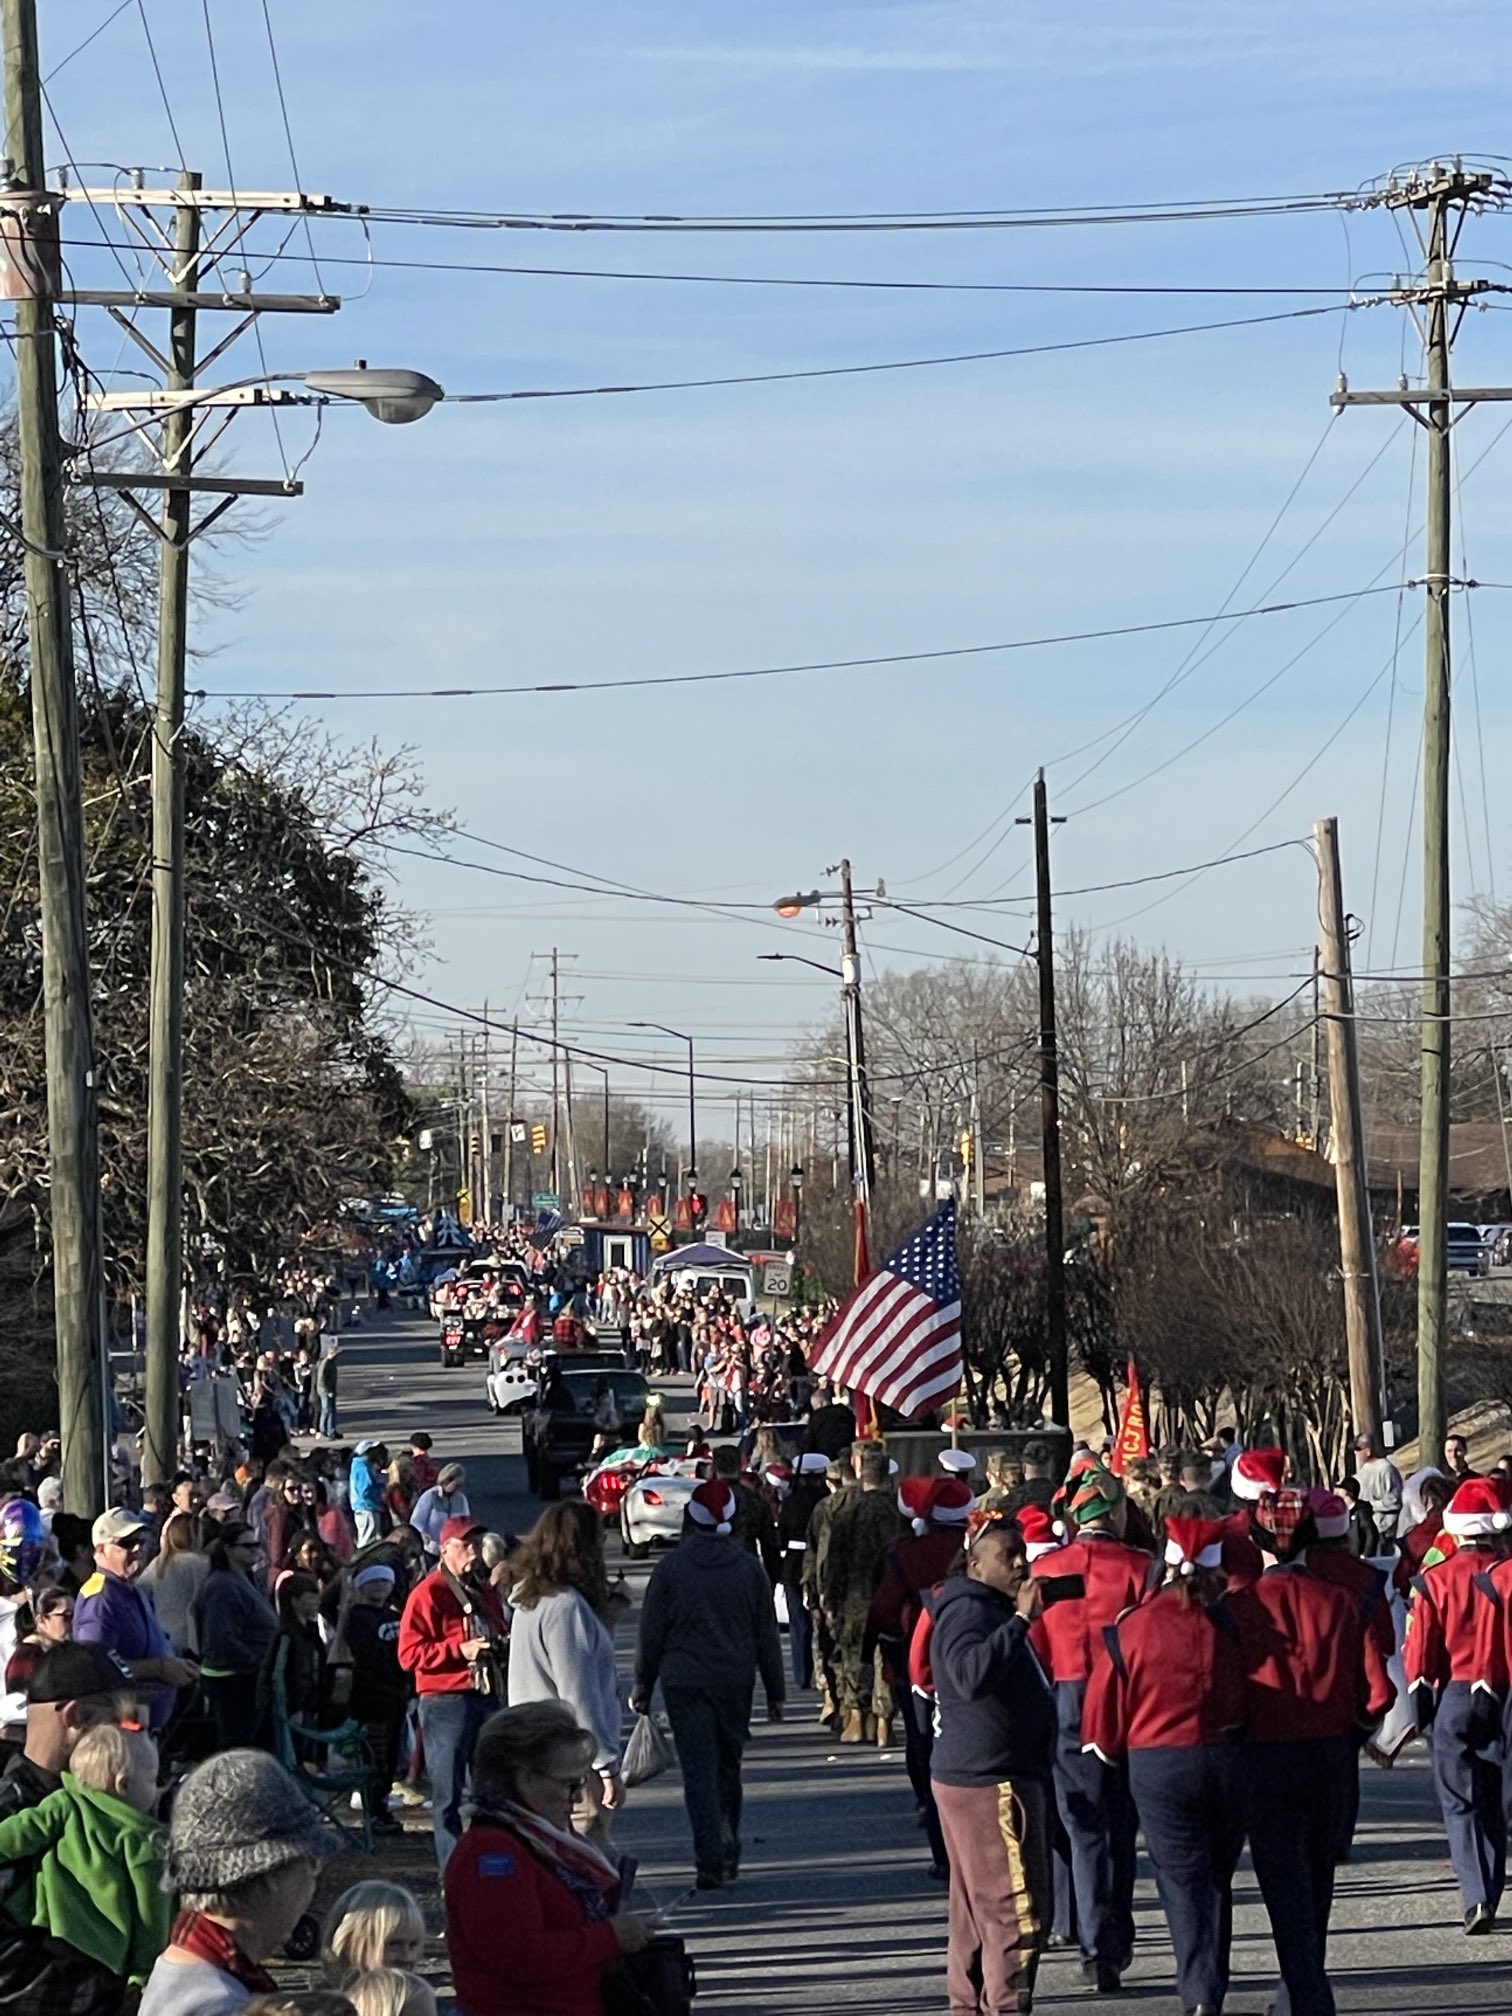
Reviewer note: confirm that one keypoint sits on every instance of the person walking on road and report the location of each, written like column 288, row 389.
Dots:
column 1093, row 1796
column 991, row 1770
column 864, row 1530
column 450, row 1639
column 707, row 1626
column 1456, row 1685
column 327, row 1372
column 1170, row 1699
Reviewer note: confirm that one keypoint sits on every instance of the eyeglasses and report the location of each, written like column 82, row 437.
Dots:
column 573, row 1787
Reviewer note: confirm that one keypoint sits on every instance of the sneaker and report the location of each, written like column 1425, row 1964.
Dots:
column 1479, row 1918
column 709, row 1879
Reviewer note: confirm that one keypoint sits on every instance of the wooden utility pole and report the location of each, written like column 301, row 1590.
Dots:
column 485, row 1138
column 165, row 1043
column 1438, row 199
column 556, row 1081
column 863, row 1162
column 509, row 1122
column 1055, row 1235
column 67, row 1032
column 1362, row 1306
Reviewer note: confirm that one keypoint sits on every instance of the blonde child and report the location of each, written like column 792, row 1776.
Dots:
column 97, row 1883
column 388, row 1991
column 373, row 1925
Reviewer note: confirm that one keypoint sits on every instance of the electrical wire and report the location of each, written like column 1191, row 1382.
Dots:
column 157, row 71
column 1391, row 691
column 283, row 112
column 93, row 36
column 784, row 671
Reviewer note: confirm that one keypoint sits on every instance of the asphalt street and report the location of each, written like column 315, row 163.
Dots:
column 833, row 1909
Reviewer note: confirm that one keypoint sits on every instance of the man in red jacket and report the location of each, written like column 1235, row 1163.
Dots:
column 450, row 1636
column 1093, row 1795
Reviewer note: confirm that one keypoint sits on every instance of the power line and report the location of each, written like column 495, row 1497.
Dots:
column 93, row 36
column 784, row 671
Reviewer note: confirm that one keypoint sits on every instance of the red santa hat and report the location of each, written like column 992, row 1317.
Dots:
column 712, row 1506
column 1258, row 1472
column 1041, row 1535
column 780, row 1477
column 1476, row 1511
column 1330, row 1515
column 914, row 1494
column 950, row 1501
column 1193, row 1543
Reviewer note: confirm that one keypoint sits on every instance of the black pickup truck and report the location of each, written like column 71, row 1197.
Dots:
column 557, row 1427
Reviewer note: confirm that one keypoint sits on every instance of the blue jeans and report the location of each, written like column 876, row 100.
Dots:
column 449, row 1725
column 328, row 1416
column 711, row 1726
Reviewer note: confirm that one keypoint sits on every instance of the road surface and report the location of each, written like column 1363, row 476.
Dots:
column 833, row 1910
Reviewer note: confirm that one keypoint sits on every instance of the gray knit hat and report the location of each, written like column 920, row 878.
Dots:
column 237, row 1816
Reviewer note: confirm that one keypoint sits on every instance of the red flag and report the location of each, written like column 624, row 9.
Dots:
column 1133, row 1443
column 863, row 1256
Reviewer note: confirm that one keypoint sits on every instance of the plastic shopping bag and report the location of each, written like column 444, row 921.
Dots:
column 648, row 1753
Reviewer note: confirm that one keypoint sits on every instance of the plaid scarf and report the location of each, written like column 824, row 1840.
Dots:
column 194, row 1933
column 1281, row 1513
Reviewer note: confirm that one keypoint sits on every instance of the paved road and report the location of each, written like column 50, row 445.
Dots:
column 833, row 1910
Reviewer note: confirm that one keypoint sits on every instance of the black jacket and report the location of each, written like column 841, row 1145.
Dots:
column 707, row 1620
column 996, row 1711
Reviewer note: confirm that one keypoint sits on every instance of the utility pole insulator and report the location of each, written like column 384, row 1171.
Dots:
column 31, row 264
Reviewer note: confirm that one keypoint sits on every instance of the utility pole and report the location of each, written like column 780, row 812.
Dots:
column 485, row 1138
column 509, row 1122
column 1438, row 199
column 556, row 1081
column 165, row 1042
column 1362, row 1307
column 862, row 1149
column 1315, row 1087
column 68, row 1037
column 1055, row 1240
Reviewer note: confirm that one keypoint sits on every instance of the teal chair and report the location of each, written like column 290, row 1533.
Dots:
column 348, row 1765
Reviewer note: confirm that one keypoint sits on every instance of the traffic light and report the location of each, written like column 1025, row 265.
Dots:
column 538, row 1138
column 966, row 1147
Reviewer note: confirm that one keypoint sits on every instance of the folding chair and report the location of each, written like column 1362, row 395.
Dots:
column 348, row 1766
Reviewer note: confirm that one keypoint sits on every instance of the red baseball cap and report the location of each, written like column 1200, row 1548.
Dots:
column 461, row 1528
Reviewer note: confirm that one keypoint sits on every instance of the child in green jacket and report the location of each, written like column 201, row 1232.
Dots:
column 96, row 1851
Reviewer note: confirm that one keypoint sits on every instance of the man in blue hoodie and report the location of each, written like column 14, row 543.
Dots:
column 991, row 1771
column 365, row 1490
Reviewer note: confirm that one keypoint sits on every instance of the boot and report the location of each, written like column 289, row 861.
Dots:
column 868, row 1729
column 855, row 1728
column 884, row 1731
column 826, row 1705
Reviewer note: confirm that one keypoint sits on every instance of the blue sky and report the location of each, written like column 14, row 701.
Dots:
column 582, row 539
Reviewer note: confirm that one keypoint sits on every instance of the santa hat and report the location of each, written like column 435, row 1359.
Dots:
column 1476, row 1511
column 1330, row 1515
column 914, row 1494
column 780, row 1477
column 1041, row 1535
column 950, row 1501
column 813, row 1463
column 1257, row 1472
column 712, row 1506
column 1193, row 1543
column 957, row 1462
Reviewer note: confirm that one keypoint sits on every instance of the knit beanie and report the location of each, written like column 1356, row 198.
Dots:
column 238, row 1816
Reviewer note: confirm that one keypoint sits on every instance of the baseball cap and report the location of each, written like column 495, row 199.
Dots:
column 72, row 1672
column 119, row 1523
column 460, row 1529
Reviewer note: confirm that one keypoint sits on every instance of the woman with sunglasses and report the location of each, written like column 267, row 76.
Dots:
column 533, row 1912
column 52, row 1623
column 237, row 1627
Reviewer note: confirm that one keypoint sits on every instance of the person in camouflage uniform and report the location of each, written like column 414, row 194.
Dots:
column 863, row 1528
column 841, row 1484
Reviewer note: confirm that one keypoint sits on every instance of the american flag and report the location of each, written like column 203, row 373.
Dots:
column 898, row 1337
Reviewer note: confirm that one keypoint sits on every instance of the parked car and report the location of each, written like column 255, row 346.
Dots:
column 558, row 1429
column 1466, row 1251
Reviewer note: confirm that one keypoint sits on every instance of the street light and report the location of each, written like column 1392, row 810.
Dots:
column 682, row 1037
column 394, row 396
column 795, row 1180
column 798, row 959
column 736, row 1180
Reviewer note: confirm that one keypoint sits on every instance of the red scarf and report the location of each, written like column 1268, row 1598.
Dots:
column 194, row 1933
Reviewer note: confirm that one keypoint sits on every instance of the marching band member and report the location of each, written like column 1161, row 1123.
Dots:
column 1456, row 1675
column 1170, row 1700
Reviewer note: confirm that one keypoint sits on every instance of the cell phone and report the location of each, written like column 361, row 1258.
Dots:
column 1061, row 1588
